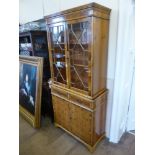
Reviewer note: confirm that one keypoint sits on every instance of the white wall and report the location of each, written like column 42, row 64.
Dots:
column 124, row 71
column 30, row 10
column 29, row 13
column 131, row 113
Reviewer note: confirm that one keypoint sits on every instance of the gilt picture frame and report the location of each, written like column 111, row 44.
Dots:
column 30, row 88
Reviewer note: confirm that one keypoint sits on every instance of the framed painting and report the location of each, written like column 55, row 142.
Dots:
column 30, row 88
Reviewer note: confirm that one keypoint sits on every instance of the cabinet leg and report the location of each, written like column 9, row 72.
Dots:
column 91, row 149
column 55, row 124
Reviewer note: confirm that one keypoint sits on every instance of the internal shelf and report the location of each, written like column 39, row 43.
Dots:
column 79, row 65
column 58, row 55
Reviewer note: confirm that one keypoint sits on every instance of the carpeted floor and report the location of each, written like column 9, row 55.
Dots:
column 49, row 140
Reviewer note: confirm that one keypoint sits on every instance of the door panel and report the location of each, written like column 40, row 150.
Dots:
column 81, row 120
column 61, row 112
column 79, row 53
column 58, row 50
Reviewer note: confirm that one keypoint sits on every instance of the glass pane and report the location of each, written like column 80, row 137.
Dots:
column 78, row 49
column 58, row 53
column 25, row 46
column 40, row 45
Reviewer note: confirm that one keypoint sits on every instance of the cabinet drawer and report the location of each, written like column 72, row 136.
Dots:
column 59, row 93
column 81, row 101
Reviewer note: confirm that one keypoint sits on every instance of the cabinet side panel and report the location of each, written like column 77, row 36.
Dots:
column 100, row 117
column 100, row 40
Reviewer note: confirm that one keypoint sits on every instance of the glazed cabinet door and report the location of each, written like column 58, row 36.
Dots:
column 61, row 112
column 81, row 122
column 57, row 52
column 79, row 49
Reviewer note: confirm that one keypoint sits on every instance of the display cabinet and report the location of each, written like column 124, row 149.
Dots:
column 78, row 46
column 34, row 43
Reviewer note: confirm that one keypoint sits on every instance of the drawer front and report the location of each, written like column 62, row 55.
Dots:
column 81, row 101
column 60, row 93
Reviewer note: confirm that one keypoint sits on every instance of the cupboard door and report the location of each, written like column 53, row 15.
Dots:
column 57, row 37
column 79, row 33
column 61, row 112
column 81, row 121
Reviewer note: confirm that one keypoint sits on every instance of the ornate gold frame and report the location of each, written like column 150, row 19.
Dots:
column 38, row 62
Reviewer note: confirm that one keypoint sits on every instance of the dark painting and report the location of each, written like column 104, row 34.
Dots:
column 27, row 87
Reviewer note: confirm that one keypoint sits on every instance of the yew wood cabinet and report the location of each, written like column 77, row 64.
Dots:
column 78, row 45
